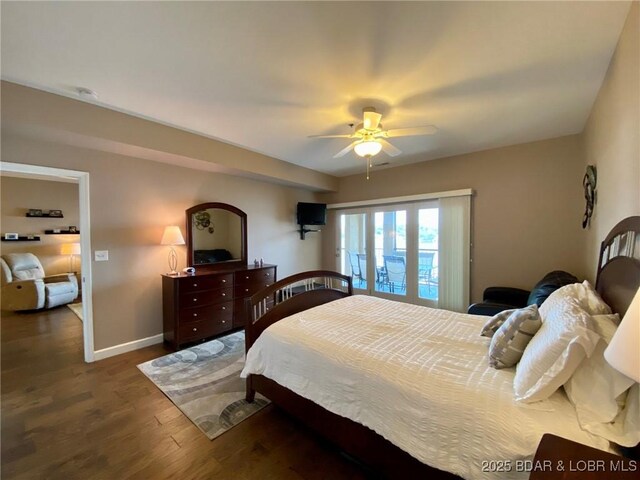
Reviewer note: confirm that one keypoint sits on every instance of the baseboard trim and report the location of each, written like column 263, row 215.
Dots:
column 127, row 347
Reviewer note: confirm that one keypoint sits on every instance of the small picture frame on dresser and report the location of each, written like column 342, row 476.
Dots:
column 11, row 236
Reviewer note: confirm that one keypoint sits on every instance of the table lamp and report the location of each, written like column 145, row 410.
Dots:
column 172, row 236
column 623, row 352
column 70, row 249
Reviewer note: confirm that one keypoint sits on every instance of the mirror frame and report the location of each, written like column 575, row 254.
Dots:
column 219, row 265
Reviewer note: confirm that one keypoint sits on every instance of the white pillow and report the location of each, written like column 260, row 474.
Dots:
column 599, row 392
column 584, row 294
column 564, row 339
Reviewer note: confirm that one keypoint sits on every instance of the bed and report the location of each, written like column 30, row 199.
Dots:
column 406, row 389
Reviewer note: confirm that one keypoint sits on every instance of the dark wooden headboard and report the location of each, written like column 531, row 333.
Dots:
column 618, row 276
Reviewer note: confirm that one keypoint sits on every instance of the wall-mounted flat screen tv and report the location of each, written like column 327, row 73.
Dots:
column 312, row 213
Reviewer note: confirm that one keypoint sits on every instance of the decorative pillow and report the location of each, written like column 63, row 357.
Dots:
column 599, row 391
column 584, row 294
column 512, row 337
column 565, row 338
column 494, row 323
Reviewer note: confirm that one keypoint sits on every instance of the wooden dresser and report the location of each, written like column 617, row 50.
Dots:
column 201, row 306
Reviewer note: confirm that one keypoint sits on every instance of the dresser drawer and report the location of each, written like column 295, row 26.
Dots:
column 193, row 331
column 223, row 311
column 209, row 297
column 262, row 276
column 208, row 282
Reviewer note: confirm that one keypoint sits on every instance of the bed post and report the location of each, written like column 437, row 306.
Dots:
column 251, row 393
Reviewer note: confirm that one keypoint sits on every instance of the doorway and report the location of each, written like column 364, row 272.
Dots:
column 82, row 180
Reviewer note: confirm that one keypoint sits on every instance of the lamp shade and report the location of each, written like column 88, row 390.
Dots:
column 623, row 352
column 172, row 236
column 70, row 249
column 368, row 148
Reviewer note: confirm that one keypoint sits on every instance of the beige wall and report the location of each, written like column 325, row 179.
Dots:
column 21, row 194
column 131, row 202
column 39, row 114
column 526, row 210
column 612, row 140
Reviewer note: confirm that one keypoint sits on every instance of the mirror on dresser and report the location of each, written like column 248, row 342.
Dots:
column 216, row 236
column 212, row 301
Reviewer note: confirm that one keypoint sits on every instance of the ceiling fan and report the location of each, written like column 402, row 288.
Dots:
column 370, row 138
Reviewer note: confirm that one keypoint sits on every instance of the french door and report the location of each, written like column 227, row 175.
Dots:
column 391, row 251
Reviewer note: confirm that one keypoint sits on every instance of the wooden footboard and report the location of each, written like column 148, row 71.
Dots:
column 288, row 296
column 295, row 294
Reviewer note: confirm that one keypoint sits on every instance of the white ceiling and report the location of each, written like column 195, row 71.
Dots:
column 266, row 75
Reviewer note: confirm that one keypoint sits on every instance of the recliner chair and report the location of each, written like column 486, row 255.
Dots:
column 497, row 299
column 24, row 285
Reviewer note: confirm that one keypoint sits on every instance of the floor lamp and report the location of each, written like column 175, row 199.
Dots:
column 70, row 249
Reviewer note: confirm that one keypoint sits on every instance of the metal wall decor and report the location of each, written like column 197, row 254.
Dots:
column 590, row 195
column 202, row 221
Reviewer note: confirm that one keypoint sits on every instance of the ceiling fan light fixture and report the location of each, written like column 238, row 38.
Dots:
column 368, row 148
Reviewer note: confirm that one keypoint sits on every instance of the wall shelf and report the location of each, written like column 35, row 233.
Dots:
column 43, row 215
column 62, row 232
column 22, row 238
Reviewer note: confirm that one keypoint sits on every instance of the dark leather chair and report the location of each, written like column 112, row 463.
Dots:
column 497, row 299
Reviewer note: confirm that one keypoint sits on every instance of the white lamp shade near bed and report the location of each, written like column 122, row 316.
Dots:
column 623, row 353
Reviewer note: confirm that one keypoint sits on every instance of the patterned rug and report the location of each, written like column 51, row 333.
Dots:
column 76, row 308
column 204, row 383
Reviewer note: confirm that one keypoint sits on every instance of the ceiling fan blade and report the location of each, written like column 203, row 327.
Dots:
column 407, row 132
column 345, row 150
column 371, row 120
column 350, row 135
column 388, row 148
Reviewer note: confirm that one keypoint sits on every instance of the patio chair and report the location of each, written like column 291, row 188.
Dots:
column 396, row 272
column 356, row 273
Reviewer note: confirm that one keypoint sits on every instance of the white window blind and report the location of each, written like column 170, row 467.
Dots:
column 454, row 244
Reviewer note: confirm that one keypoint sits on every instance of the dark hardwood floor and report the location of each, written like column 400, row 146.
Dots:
column 63, row 418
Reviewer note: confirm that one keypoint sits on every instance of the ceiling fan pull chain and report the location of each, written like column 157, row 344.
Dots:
column 368, row 166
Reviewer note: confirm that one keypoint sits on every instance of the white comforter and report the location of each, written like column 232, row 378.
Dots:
column 417, row 376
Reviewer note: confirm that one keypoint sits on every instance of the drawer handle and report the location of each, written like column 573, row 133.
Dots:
column 224, row 321
column 267, row 285
column 224, row 308
column 195, row 329
column 224, row 294
column 195, row 314
column 195, row 299
column 224, row 281
column 246, row 289
column 267, row 274
column 195, row 284
column 247, row 277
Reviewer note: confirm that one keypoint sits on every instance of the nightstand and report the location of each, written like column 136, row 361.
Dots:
column 559, row 458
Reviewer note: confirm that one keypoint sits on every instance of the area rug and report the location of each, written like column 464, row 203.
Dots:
column 204, row 383
column 77, row 309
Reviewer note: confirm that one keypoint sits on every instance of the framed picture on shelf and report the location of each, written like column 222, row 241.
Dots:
column 55, row 213
column 34, row 212
column 11, row 236
column 73, row 229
